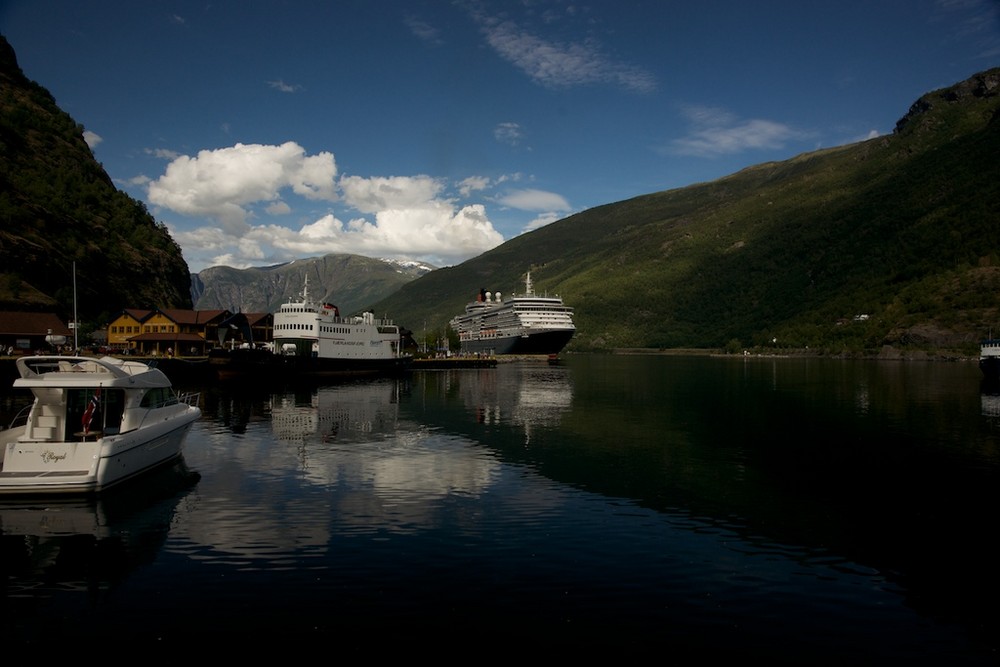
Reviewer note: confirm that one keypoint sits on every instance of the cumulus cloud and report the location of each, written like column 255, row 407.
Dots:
column 717, row 132
column 221, row 183
column 472, row 184
column 371, row 195
column 399, row 217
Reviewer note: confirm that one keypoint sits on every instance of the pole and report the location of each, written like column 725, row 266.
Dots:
column 76, row 345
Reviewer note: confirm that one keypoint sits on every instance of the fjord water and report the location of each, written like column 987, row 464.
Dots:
column 806, row 511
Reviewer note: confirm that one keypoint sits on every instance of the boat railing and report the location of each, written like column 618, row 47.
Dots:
column 189, row 398
column 21, row 418
column 192, row 398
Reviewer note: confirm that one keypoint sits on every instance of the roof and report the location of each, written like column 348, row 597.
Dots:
column 176, row 315
column 258, row 318
column 137, row 314
column 32, row 324
column 182, row 316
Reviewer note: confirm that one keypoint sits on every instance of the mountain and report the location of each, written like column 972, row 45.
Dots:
column 61, row 211
column 892, row 242
column 351, row 282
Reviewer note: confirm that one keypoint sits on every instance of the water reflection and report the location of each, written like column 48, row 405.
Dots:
column 318, row 464
column 523, row 396
column 792, row 509
column 351, row 434
column 57, row 545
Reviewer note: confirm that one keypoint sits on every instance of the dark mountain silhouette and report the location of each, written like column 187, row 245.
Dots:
column 59, row 209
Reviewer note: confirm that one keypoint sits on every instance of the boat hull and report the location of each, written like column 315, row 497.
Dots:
column 60, row 468
column 263, row 364
column 544, row 342
column 989, row 359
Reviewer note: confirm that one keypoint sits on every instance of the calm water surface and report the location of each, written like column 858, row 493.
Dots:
column 798, row 511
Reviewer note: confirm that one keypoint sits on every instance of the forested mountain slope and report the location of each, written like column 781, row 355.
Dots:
column 894, row 241
column 59, row 209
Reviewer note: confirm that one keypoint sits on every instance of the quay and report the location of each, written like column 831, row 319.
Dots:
column 444, row 363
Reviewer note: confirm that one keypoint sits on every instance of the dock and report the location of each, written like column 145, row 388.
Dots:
column 444, row 363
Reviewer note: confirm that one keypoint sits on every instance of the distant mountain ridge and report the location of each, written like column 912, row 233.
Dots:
column 351, row 282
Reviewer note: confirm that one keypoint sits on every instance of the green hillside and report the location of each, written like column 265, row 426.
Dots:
column 893, row 241
column 60, row 210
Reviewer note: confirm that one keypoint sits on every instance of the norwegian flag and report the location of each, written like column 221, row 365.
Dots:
column 88, row 414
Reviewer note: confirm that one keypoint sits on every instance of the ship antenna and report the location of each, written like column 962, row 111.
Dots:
column 527, row 284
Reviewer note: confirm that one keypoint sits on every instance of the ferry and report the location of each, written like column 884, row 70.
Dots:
column 313, row 339
column 528, row 323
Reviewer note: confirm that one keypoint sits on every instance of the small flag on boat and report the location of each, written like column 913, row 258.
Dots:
column 88, row 414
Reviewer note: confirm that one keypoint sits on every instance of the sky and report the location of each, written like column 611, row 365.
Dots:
column 432, row 131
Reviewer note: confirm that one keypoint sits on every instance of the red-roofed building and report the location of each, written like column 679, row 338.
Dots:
column 180, row 332
column 25, row 333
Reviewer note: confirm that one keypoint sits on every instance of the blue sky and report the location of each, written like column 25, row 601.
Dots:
column 433, row 131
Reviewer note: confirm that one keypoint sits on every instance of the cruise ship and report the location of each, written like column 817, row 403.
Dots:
column 520, row 324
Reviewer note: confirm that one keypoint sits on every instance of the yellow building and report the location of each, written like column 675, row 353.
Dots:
column 179, row 332
column 124, row 327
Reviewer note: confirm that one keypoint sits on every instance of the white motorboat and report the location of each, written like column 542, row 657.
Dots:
column 94, row 422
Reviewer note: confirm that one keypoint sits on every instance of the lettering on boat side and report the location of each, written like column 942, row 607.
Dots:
column 48, row 456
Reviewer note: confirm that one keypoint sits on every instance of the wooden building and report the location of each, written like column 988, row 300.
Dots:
column 26, row 333
column 180, row 332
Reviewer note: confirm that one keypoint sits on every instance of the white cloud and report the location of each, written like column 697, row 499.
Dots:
column 534, row 200
column 400, row 217
column 163, row 153
column 472, row 184
column 221, row 183
column 508, row 133
column 92, row 138
column 560, row 65
column 284, row 87
column 370, row 195
column 541, row 221
column 717, row 132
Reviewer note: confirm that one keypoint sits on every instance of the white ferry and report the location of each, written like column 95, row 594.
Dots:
column 520, row 324
column 313, row 339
